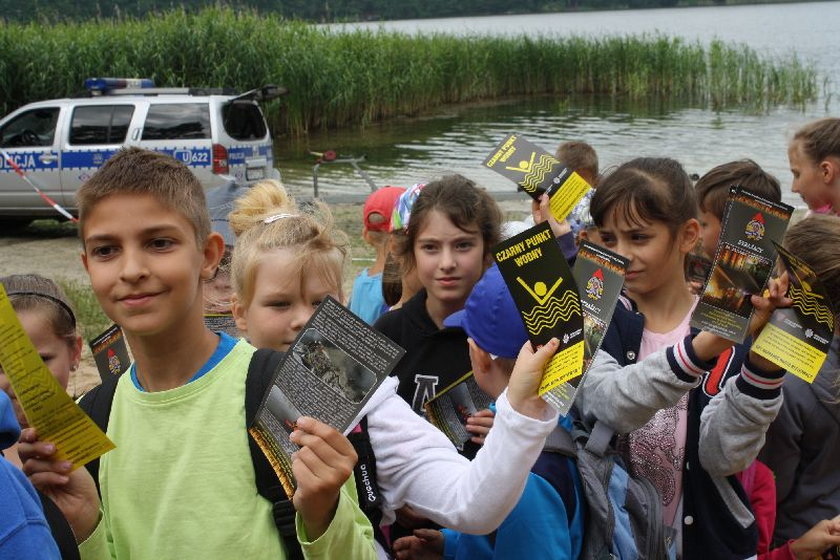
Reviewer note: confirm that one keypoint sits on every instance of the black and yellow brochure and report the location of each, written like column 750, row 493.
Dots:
column 541, row 283
column 746, row 254
column 536, row 172
column 599, row 275
column 797, row 338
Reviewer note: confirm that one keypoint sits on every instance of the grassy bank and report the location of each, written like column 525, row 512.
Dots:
column 362, row 76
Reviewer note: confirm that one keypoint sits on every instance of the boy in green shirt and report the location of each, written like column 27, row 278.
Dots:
column 180, row 483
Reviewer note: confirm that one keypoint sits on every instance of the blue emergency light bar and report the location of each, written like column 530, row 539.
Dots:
column 105, row 84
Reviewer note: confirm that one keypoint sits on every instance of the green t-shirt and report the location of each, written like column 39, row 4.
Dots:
column 180, row 483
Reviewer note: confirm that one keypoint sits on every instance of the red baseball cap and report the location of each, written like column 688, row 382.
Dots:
column 381, row 201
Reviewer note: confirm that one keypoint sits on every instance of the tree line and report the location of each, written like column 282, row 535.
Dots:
column 48, row 11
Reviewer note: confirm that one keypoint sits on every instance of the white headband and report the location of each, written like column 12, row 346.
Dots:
column 275, row 217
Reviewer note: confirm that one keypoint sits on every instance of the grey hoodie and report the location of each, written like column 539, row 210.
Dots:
column 803, row 450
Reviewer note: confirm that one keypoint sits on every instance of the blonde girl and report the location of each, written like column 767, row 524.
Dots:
column 279, row 281
column 284, row 264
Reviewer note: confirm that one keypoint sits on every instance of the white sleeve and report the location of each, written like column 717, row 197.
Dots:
column 417, row 465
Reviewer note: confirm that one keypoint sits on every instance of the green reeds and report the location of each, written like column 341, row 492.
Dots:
column 356, row 77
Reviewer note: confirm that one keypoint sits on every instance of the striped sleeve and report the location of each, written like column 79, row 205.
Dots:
column 685, row 363
column 758, row 383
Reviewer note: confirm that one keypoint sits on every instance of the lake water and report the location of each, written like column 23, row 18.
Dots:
column 457, row 139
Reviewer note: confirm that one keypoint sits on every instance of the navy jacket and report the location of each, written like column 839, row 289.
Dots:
column 714, row 527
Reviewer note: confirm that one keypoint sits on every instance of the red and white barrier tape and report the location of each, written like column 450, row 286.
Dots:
column 22, row 174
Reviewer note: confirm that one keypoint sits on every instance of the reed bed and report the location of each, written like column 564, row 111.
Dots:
column 350, row 78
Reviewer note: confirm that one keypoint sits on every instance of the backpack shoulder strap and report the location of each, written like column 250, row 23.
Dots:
column 600, row 438
column 97, row 404
column 263, row 364
column 367, row 487
column 560, row 441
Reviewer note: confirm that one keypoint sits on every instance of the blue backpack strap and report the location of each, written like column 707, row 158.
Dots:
column 261, row 370
column 97, row 404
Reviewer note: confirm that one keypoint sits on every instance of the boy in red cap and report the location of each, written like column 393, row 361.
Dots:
column 366, row 299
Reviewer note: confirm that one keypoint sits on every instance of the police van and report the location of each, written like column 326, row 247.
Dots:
column 49, row 148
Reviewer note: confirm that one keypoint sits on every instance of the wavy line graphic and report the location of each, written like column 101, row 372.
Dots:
column 538, row 172
column 807, row 304
column 546, row 316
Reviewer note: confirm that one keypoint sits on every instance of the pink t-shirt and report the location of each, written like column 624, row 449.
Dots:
column 657, row 449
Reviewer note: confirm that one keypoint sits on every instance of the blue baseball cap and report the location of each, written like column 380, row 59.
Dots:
column 490, row 317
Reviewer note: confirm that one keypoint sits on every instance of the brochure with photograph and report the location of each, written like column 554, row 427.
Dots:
column 544, row 290
column 222, row 322
column 536, row 172
column 697, row 269
column 110, row 353
column 48, row 407
column 450, row 408
column 334, row 366
column 599, row 275
column 744, row 259
column 797, row 338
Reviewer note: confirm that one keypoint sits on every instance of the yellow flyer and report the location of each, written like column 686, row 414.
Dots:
column 48, row 408
column 545, row 292
column 537, row 172
column 797, row 338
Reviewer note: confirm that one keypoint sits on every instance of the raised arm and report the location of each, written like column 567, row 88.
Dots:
column 626, row 398
column 734, row 423
column 417, row 465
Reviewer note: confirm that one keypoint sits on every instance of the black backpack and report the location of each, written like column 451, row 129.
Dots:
column 97, row 404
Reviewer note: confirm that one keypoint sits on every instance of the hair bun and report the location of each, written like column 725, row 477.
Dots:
column 262, row 201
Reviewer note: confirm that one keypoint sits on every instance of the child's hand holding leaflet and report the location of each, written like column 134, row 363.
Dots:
column 746, row 253
column 537, row 172
column 460, row 411
column 324, row 462
column 62, row 437
column 328, row 374
column 48, row 408
column 797, row 338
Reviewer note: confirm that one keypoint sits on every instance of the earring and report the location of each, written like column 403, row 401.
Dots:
column 74, row 367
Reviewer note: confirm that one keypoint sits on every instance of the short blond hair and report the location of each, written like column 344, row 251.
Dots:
column 266, row 218
column 137, row 171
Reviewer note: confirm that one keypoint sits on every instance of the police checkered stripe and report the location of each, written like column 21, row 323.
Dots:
column 85, row 159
